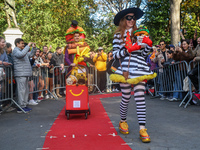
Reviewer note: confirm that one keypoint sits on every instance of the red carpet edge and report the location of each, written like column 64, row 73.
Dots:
column 78, row 133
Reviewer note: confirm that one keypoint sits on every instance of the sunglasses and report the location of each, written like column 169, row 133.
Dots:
column 129, row 17
column 162, row 44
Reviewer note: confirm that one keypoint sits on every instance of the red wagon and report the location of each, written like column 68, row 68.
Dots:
column 77, row 100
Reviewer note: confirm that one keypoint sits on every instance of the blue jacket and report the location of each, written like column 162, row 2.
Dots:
column 4, row 57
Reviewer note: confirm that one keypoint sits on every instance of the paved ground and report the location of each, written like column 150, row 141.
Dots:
column 170, row 127
column 27, row 131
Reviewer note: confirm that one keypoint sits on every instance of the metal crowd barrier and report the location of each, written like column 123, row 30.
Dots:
column 59, row 79
column 92, row 80
column 110, row 84
column 39, row 81
column 6, row 87
column 169, row 80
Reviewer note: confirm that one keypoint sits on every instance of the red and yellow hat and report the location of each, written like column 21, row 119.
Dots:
column 69, row 35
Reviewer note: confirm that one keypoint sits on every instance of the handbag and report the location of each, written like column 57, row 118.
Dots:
column 186, row 84
column 126, row 75
column 108, row 66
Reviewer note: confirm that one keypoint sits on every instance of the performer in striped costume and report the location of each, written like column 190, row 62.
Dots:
column 129, row 66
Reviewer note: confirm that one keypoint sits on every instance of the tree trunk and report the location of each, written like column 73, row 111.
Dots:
column 175, row 21
column 198, row 19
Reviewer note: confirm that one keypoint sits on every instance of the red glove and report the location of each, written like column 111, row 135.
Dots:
column 147, row 41
column 135, row 47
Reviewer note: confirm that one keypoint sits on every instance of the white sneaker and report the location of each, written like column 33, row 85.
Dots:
column 32, row 102
column 116, row 90
column 37, row 101
column 42, row 95
column 163, row 98
column 173, row 99
column 113, row 90
column 10, row 109
column 47, row 96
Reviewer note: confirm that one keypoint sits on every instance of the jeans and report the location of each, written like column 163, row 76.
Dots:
column 35, row 80
column 177, row 85
column 160, row 82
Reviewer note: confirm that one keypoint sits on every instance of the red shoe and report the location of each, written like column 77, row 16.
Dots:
column 40, row 98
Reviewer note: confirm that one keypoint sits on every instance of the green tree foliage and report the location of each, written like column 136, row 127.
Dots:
column 190, row 17
column 102, row 20
column 102, row 33
column 118, row 5
column 46, row 21
column 157, row 20
column 3, row 21
column 102, row 38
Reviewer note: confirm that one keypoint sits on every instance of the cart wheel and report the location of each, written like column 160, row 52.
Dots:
column 85, row 115
column 89, row 111
column 65, row 113
column 67, row 116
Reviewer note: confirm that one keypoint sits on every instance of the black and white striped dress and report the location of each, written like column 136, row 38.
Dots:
column 138, row 66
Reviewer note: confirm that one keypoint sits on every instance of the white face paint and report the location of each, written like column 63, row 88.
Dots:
column 140, row 39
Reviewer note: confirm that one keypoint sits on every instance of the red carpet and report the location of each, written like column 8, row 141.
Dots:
column 78, row 133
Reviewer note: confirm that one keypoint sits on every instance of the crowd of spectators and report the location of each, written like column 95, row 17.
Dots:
column 30, row 65
column 164, row 56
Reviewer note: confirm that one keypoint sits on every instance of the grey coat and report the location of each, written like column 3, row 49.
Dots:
column 22, row 66
column 58, row 58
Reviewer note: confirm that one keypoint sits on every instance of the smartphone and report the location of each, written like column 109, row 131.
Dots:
column 195, row 31
column 179, row 44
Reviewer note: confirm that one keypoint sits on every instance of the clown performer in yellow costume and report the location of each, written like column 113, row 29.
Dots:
column 129, row 66
column 76, row 51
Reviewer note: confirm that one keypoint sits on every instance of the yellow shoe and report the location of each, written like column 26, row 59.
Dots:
column 123, row 127
column 144, row 136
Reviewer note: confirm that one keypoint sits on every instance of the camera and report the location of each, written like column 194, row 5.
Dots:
column 158, row 50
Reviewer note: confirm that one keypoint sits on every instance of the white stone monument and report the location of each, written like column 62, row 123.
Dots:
column 11, row 34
